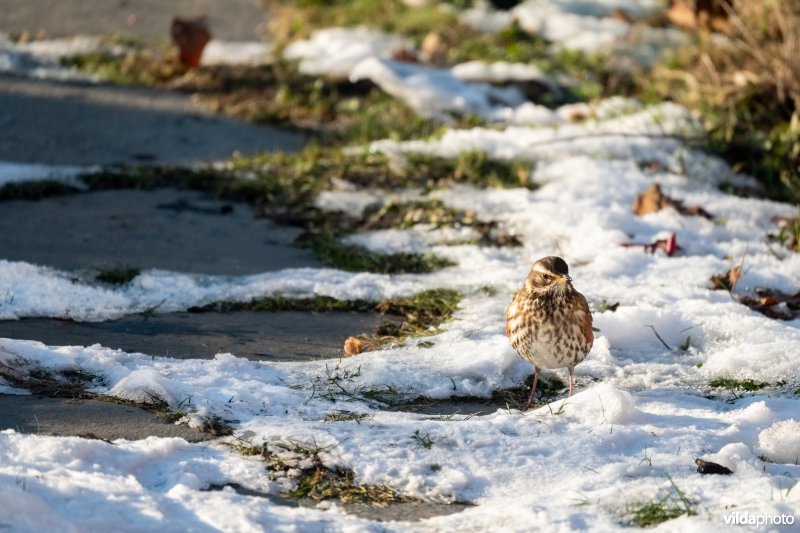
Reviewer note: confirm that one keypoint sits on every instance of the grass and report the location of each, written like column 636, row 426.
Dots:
column 154, row 404
column 281, row 303
column 347, row 416
column 332, row 252
column 118, row 275
column 672, row 505
column 64, row 383
column 548, row 388
column 423, row 439
column 788, row 233
column 747, row 88
column 420, row 313
column 301, row 464
column 748, row 385
column 654, row 513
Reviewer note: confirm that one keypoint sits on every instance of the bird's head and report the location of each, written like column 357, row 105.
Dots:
column 549, row 272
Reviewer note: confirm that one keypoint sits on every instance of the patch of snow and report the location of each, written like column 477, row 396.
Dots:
column 29, row 172
column 781, row 442
column 336, row 51
column 639, row 415
column 252, row 53
column 483, row 17
column 418, row 239
column 433, row 92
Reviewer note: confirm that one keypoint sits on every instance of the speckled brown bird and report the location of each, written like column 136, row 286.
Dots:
column 548, row 321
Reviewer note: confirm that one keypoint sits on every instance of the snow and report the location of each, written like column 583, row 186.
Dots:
column 219, row 52
column 641, row 412
column 11, row 172
column 638, row 415
column 781, row 442
column 336, row 51
column 41, row 59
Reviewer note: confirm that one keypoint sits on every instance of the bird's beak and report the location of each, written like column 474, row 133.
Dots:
column 564, row 279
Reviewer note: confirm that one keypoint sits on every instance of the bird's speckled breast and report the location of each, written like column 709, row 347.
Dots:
column 550, row 331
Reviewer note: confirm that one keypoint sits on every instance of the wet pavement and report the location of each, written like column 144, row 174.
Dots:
column 179, row 230
column 87, row 418
column 60, row 123
column 260, row 336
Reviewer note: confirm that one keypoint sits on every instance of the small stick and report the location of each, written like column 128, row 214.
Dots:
column 658, row 336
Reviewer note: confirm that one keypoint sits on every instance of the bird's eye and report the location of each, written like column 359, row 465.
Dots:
column 546, row 277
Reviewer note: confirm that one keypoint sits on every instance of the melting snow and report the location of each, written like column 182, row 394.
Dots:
column 629, row 435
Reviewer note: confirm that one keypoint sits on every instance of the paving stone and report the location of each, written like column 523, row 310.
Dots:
column 83, row 124
column 267, row 336
column 87, row 418
column 169, row 229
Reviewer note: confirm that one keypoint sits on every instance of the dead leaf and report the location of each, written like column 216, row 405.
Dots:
column 191, row 36
column 694, row 14
column 726, row 281
column 404, row 55
column 353, row 346
column 707, row 467
column 774, row 303
column 653, row 199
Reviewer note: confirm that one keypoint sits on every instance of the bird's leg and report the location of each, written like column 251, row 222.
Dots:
column 533, row 389
column 570, row 381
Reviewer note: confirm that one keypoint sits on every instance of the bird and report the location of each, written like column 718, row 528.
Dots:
column 549, row 322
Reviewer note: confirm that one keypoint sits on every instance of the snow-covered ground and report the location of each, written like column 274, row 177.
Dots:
column 641, row 413
column 637, row 421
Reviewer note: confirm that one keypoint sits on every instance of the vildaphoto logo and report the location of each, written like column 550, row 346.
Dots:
column 758, row 519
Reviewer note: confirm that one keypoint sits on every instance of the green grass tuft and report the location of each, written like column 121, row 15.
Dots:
column 672, row 505
column 652, row 514
column 740, row 384
column 332, row 252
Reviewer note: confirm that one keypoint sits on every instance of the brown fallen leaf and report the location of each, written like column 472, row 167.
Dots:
column 774, row 303
column 404, row 55
column 694, row 14
column 707, row 467
column 653, row 199
column 353, row 346
column 726, row 281
column 191, row 36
